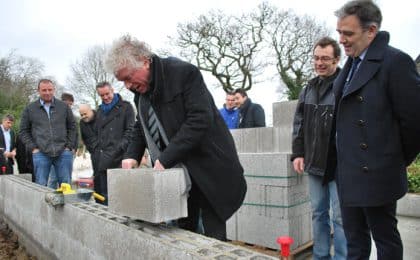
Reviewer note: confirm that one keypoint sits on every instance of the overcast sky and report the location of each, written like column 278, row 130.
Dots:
column 60, row 32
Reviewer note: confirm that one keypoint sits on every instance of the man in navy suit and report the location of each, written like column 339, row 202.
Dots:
column 7, row 144
column 377, row 127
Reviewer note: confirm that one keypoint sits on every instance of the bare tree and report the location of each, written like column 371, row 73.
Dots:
column 225, row 45
column 87, row 73
column 18, row 81
column 292, row 38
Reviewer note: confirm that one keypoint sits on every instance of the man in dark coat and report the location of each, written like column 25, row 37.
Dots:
column 198, row 136
column 7, row 144
column 89, row 131
column 377, row 131
column 48, row 129
column 250, row 114
column 114, row 122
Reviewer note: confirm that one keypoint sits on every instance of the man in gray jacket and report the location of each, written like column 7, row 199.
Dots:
column 48, row 130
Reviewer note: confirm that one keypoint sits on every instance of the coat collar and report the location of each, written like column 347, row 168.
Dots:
column 370, row 65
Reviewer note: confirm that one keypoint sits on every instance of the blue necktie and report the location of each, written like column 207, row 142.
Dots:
column 352, row 71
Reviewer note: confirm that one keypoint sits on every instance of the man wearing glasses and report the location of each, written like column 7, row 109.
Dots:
column 310, row 145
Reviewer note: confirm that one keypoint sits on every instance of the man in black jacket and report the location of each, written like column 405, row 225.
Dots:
column 48, row 130
column 377, row 130
column 114, row 122
column 311, row 139
column 250, row 114
column 174, row 93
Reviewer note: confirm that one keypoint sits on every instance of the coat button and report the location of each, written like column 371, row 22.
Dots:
column 361, row 122
column 365, row 169
column 363, row 146
column 359, row 98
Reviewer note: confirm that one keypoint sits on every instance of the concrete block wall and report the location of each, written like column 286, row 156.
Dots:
column 147, row 194
column 91, row 231
column 283, row 113
column 277, row 201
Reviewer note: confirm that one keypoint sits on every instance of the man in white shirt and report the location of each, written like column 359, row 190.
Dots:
column 7, row 145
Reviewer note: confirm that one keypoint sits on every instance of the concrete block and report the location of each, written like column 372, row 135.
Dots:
column 268, row 169
column 147, row 194
column 264, row 139
column 264, row 230
column 409, row 205
column 283, row 113
column 232, row 228
column 91, row 231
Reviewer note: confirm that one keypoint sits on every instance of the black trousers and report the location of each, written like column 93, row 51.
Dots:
column 100, row 184
column 213, row 225
column 360, row 222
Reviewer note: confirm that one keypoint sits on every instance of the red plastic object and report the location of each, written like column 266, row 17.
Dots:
column 85, row 182
column 285, row 243
column 3, row 169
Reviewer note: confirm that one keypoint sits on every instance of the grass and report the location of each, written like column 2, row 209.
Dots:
column 414, row 176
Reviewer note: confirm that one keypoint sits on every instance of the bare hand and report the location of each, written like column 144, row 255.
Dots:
column 128, row 163
column 35, row 150
column 158, row 166
column 298, row 165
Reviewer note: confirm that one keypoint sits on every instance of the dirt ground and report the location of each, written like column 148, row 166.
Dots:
column 9, row 245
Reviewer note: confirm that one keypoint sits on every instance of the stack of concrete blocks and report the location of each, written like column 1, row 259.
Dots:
column 90, row 231
column 277, row 200
column 147, row 194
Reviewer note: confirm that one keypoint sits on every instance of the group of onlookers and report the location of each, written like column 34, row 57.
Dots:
column 240, row 112
column 48, row 138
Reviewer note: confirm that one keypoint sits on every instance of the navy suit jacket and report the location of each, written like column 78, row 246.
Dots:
column 377, row 126
column 3, row 144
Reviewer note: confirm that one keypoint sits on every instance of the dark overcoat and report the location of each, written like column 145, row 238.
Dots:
column 113, row 134
column 3, row 160
column 198, row 136
column 377, row 126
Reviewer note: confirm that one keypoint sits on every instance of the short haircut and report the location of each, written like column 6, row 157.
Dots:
column 67, row 97
column 9, row 117
column 44, row 81
column 241, row 91
column 103, row 84
column 367, row 12
column 326, row 41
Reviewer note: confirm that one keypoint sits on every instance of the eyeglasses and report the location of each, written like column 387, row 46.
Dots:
column 322, row 58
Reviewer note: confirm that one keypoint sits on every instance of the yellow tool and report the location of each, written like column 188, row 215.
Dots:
column 98, row 196
column 65, row 194
column 66, row 189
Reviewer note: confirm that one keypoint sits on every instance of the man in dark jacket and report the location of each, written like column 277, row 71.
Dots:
column 174, row 93
column 311, row 139
column 250, row 114
column 377, row 130
column 7, row 144
column 48, row 130
column 114, row 122
column 89, row 131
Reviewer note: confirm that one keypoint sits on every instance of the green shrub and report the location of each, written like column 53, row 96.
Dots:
column 414, row 176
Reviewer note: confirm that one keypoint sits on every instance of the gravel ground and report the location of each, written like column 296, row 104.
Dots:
column 9, row 245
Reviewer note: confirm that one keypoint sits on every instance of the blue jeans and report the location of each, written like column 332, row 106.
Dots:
column 53, row 180
column 322, row 198
column 62, row 164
